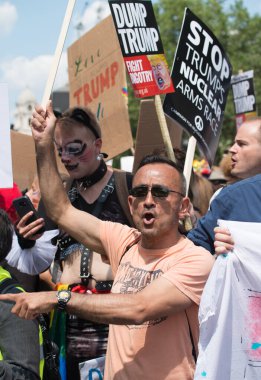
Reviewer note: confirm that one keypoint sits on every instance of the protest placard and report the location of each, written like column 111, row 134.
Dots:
column 141, row 47
column 244, row 96
column 149, row 139
column 97, row 80
column 201, row 76
column 23, row 160
column 23, row 157
column 6, row 174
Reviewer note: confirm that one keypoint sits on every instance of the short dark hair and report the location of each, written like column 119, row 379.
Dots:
column 81, row 115
column 158, row 159
column 6, row 234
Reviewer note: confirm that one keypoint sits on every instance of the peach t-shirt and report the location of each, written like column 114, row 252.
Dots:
column 159, row 349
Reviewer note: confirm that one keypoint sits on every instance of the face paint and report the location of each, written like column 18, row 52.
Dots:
column 86, row 155
column 73, row 149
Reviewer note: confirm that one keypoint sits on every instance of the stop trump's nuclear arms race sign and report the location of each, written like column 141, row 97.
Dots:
column 201, row 76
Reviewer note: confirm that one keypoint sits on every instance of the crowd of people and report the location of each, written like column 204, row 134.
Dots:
column 123, row 278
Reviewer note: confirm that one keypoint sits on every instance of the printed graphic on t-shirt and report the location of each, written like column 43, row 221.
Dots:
column 130, row 279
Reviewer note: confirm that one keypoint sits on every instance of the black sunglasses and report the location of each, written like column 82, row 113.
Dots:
column 157, row 191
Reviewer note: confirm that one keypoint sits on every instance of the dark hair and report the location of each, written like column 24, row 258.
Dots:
column 6, row 234
column 82, row 116
column 158, row 159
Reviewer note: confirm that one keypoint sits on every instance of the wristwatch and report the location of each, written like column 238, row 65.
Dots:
column 63, row 297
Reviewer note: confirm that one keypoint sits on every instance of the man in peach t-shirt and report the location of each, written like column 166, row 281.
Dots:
column 159, row 275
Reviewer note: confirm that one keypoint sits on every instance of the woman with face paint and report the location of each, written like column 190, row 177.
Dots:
column 91, row 188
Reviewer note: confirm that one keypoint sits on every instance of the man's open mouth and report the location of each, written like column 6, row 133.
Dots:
column 148, row 218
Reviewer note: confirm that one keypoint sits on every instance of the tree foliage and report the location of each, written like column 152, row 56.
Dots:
column 238, row 32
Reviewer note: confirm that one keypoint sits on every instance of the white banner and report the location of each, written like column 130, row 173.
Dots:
column 92, row 369
column 6, row 174
column 229, row 315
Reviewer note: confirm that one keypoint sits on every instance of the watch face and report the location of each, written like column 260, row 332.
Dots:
column 64, row 295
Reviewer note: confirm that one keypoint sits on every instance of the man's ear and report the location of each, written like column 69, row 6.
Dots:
column 184, row 208
column 130, row 203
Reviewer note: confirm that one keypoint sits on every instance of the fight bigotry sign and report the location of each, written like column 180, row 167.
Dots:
column 244, row 96
column 141, row 47
column 201, row 76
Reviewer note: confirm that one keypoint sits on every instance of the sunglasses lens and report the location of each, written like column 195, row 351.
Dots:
column 159, row 191
column 139, row 191
column 156, row 191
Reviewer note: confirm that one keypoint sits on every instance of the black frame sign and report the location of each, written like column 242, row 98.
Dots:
column 201, row 76
column 243, row 92
column 244, row 96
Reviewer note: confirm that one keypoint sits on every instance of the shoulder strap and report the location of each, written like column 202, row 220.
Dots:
column 122, row 185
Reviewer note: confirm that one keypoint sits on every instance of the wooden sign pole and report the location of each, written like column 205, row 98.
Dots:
column 58, row 52
column 164, row 128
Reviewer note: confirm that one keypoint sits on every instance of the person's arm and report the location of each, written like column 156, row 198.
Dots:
column 159, row 299
column 84, row 227
column 203, row 234
column 19, row 345
column 221, row 208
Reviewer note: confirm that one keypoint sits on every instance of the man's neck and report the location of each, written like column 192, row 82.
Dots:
column 148, row 242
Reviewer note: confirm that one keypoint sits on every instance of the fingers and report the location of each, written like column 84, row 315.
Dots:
column 30, row 231
column 30, row 305
column 222, row 230
column 43, row 123
column 222, row 248
column 38, row 121
column 22, row 308
column 223, row 241
column 8, row 297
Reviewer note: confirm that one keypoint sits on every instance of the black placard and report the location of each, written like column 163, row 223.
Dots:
column 201, row 76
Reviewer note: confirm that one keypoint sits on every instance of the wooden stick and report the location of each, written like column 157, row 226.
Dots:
column 164, row 128
column 58, row 52
column 187, row 173
column 189, row 160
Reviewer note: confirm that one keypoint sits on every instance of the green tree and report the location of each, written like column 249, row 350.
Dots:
column 239, row 34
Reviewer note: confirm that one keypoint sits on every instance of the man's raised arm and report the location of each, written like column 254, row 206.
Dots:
column 84, row 227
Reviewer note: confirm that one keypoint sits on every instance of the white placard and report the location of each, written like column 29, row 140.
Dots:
column 92, row 369
column 6, row 173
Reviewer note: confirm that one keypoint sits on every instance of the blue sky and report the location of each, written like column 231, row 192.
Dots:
column 29, row 30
